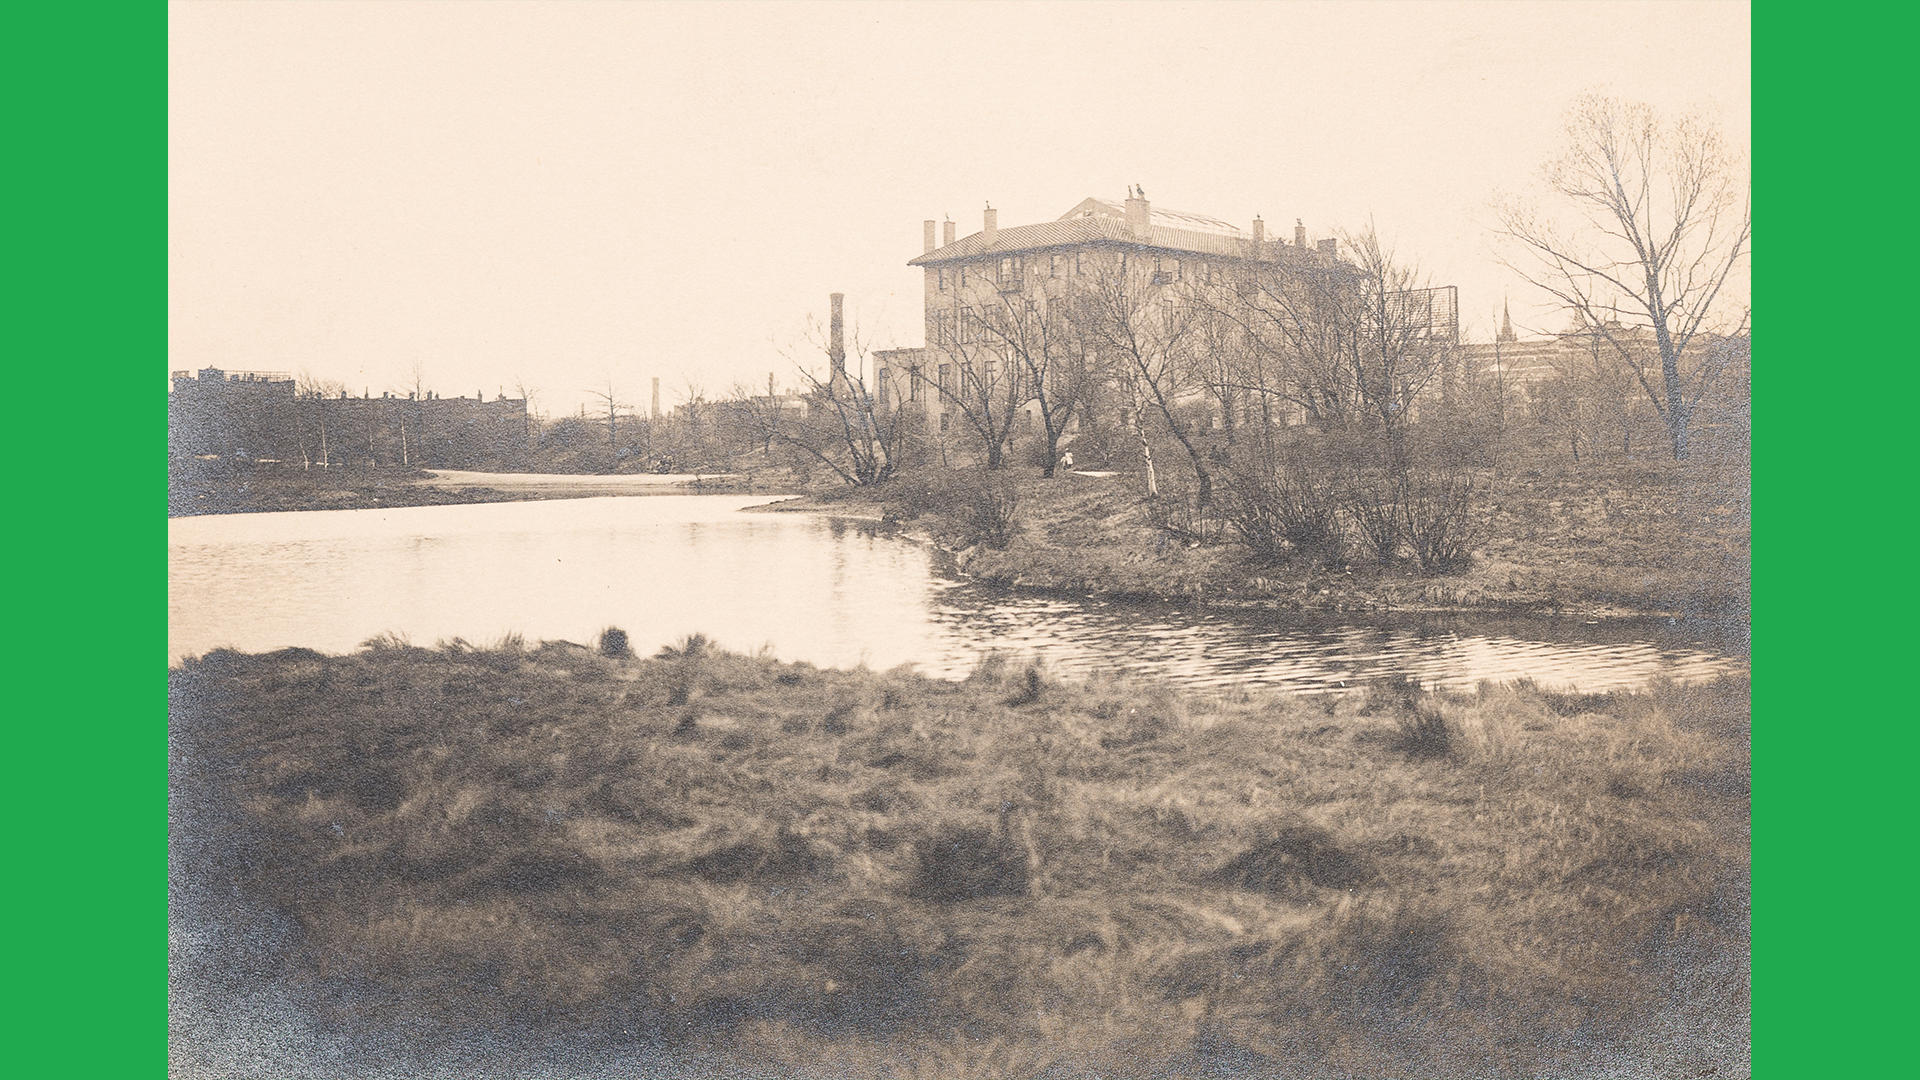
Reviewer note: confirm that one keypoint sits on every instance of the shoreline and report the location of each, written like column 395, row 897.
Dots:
column 966, row 562
column 359, row 489
column 1109, row 567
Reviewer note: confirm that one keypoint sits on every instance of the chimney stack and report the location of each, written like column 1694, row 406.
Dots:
column 655, row 413
column 1299, row 234
column 1137, row 212
column 946, row 233
column 1259, row 230
column 927, row 228
column 1330, row 247
column 990, row 224
column 836, row 337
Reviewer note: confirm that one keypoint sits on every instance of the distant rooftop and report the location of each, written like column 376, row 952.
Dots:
column 1172, row 219
column 1095, row 220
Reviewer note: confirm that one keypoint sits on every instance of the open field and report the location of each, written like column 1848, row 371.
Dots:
column 854, row 873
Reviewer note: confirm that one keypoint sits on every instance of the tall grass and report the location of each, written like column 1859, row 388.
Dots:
column 875, row 873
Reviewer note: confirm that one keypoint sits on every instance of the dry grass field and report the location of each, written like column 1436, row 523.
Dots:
column 762, row 865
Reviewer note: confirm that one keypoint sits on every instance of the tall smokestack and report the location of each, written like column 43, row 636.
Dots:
column 1259, row 230
column 837, row 336
column 927, row 228
column 946, row 233
column 1299, row 234
column 990, row 224
column 655, row 413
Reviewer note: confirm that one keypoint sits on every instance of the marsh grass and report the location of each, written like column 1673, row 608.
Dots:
column 877, row 874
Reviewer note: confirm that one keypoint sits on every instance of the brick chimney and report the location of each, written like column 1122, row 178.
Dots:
column 1259, row 230
column 1137, row 212
column 1299, row 234
column 946, row 233
column 836, row 336
column 990, row 224
column 926, row 227
column 1330, row 247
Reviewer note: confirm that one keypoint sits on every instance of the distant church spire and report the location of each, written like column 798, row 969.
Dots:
column 1506, row 321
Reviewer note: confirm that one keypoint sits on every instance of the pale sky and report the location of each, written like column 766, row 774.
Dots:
column 566, row 193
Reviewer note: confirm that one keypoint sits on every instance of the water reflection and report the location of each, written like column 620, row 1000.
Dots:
column 823, row 590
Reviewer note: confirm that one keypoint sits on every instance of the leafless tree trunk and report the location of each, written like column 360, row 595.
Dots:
column 1145, row 334
column 612, row 401
column 1664, row 223
column 846, row 428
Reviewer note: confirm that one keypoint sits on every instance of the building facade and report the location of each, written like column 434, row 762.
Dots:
column 968, row 278
column 262, row 416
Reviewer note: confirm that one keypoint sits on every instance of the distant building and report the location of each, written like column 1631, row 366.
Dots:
column 262, row 416
column 1053, row 258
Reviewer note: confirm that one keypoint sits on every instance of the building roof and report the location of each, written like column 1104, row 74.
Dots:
column 1173, row 219
column 1097, row 221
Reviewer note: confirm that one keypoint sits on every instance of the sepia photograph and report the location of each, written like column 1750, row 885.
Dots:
column 958, row 540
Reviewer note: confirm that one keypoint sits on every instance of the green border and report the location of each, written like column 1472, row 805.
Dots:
column 1832, row 948
column 86, row 314
column 1832, row 953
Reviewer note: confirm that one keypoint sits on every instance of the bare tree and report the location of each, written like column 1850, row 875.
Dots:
column 1390, row 349
column 1046, row 361
column 611, row 400
column 1285, row 329
column 1145, row 330
column 846, row 428
column 1660, row 222
column 976, row 373
column 313, row 427
column 527, row 394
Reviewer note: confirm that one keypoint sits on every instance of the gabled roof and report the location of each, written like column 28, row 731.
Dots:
column 1089, row 229
column 1172, row 219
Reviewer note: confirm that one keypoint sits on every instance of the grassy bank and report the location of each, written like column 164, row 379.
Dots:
column 1608, row 538
column 861, row 873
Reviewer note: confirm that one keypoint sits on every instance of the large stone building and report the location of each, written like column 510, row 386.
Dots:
column 1052, row 258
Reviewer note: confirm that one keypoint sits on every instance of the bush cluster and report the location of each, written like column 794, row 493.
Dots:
column 1320, row 495
column 964, row 507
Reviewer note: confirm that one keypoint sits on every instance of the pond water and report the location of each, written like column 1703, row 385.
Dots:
column 823, row 590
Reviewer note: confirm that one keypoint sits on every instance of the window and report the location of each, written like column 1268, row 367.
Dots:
column 1166, row 270
column 993, row 372
column 1079, row 263
column 963, row 277
column 946, row 378
column 1012, row 268
column 882, row 379
column 913, row 384
column 945, row 419
column 1055, row 264
column 943, row 279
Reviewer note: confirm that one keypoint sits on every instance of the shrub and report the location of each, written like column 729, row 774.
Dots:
column 1375, row 501
column 691, row 647
column 1440, row 515
column 613, row 643
column 966, row 864
column 1282, row 507
column 1294, row 856
column 986, row 506
column 1423, row 733
column 968, row 507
